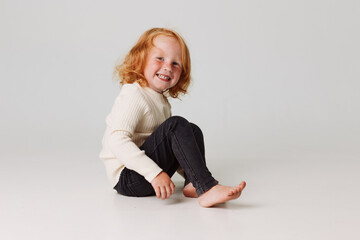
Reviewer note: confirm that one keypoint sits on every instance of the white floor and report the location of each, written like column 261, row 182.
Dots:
column 62, row 196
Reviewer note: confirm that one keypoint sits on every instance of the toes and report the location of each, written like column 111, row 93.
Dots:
column 242, row 185
column 233, row 191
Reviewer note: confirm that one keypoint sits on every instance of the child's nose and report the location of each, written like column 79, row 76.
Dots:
column 167, row 66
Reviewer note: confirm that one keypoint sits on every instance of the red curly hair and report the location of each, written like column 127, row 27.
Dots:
column 132, row 68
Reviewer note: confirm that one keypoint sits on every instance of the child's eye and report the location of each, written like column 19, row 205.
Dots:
column 175, row 63
column 160, row 58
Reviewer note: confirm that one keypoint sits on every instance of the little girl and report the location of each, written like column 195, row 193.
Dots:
column 143, row 146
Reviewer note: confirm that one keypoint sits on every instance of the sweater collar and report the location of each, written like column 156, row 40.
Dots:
column 154, row 94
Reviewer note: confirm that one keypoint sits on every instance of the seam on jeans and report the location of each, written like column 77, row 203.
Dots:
column 158, row 144
column 126, row 187
column 189, row 167
column 127, row 177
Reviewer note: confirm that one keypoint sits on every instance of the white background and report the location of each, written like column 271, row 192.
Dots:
column 268, row 76
column 271, row 79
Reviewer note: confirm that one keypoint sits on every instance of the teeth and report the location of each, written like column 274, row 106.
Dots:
column 163, row 77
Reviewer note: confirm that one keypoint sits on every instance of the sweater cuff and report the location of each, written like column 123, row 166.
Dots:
column 152, row 175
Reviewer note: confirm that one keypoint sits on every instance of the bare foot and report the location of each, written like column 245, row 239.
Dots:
column 190, row 191
column 220, row 194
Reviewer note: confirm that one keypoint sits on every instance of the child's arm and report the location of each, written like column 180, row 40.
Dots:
column 128, row 111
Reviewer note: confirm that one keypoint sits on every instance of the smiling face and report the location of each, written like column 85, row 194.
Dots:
column 163, row 64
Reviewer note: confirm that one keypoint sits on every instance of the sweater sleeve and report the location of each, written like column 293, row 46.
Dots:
column 127, row 113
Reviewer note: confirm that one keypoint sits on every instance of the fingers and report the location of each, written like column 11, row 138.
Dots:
column 163, row 192
column 157, row 192
column 172, row 187
column 163, row 186
column 166, row 191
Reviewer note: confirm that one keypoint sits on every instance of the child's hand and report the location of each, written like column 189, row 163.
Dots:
column 163, row 185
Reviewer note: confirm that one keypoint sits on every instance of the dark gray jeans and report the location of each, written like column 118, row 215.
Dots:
column 175, row 142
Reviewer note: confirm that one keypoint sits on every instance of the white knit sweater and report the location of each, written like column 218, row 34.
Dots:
column 136, row 113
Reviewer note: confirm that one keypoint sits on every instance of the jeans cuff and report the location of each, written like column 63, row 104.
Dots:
column 204, row 188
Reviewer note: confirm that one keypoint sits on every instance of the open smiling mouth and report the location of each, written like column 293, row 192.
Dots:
column 163, row 77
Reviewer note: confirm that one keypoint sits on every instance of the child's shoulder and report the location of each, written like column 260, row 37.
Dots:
column 131, row 88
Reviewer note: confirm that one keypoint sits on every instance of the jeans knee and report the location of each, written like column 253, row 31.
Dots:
column 196, row 128
column 178, row 120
